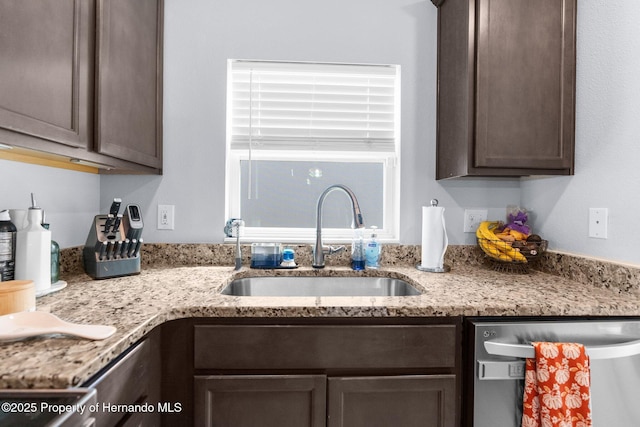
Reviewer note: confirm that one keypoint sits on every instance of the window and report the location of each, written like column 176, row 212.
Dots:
column 295, row 128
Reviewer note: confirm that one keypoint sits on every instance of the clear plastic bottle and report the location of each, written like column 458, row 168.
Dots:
column 357, row 250
column 372, row 250
column 7, row 247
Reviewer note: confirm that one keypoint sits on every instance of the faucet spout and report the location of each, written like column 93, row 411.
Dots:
column 319, row 250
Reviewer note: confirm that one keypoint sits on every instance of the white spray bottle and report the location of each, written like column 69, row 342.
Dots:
column 33, row 250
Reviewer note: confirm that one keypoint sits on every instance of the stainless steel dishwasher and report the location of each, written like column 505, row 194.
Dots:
column 500, row 348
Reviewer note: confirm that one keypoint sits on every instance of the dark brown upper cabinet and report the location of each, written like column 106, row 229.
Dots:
column 129, row 80
column 506, row 87
column 46, row 82
column 82, row 80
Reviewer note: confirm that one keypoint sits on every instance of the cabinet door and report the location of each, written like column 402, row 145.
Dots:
column 525, row 84
column 46, row 74
column 263, row 400
column 407, row 401
column 133, row 379
column 129, row 80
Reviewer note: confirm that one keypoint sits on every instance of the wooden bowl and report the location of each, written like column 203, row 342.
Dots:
column 17, row 295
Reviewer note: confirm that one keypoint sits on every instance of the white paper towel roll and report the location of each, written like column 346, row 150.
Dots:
column 434, row 237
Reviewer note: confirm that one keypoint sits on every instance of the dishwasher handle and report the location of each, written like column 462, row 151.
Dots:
column 595, row 352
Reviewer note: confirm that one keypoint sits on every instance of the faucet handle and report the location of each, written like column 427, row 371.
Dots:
column 330, row 250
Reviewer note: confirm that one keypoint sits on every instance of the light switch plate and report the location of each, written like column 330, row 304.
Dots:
column 598, row 218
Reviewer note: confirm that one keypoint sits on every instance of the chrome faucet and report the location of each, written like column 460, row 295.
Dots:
column 319, row 251
column 236, row 224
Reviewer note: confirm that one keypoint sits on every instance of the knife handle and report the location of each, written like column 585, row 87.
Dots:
column 124, row 252
column 115, row 207
column 116, row 223
column 132, row 248
column 102, row 251
column 108, row 222
column 136, row 252
column 117, row 249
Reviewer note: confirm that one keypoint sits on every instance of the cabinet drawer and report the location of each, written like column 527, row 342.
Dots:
column 324, row 346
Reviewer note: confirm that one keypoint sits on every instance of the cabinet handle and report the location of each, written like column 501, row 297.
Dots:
column 595, row 352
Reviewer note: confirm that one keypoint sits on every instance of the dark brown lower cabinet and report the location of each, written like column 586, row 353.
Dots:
column 318, row 401
column 243, row 372
column 129, row 383
column 407, row 401
column 261, row 400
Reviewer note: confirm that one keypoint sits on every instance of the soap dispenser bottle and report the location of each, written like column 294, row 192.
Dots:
column 372, row 250
column 33, row 251
column 357, row 250
column 7, row 247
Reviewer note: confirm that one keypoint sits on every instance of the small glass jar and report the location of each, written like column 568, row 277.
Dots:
column 55, row 262
column 55, row 259
column 266, row 255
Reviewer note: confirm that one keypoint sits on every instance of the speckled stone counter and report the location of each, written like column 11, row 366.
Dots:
column 163, row 291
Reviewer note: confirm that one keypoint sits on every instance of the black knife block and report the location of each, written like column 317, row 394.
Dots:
column 103, row 254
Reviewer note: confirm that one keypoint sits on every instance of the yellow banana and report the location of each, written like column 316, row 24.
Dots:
column 513, row 253
column 485, row 231
column 487, row 240
column 492, row 249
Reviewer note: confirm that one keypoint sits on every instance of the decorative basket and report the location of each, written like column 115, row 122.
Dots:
column 501, row 253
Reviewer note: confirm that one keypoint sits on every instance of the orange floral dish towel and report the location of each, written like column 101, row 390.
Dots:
column 556, row 387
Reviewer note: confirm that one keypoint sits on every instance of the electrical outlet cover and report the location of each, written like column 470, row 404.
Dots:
column 166, row 217
column 473, row 218
column 598, row 218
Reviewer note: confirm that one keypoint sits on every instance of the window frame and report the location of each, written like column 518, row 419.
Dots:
column 387, row 232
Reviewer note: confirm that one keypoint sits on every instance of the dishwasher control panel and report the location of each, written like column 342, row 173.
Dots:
column 495, row 370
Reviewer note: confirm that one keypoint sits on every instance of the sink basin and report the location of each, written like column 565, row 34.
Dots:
column 319, row 286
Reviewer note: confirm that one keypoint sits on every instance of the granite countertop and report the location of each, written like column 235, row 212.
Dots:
column 137, row 304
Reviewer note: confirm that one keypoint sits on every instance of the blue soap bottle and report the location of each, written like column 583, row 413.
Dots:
column 372, row 250
column 357, row 250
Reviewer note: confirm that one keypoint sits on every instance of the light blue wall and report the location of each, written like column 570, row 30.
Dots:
column 200, row 35
column 607, row 139
column 70, row 199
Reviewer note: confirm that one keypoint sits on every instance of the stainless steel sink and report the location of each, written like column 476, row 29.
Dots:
column 319, row 286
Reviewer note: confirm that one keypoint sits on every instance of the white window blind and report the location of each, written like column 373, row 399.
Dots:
column 312, row 106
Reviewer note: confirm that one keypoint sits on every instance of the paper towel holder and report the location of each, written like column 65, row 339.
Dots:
column 445, row 268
